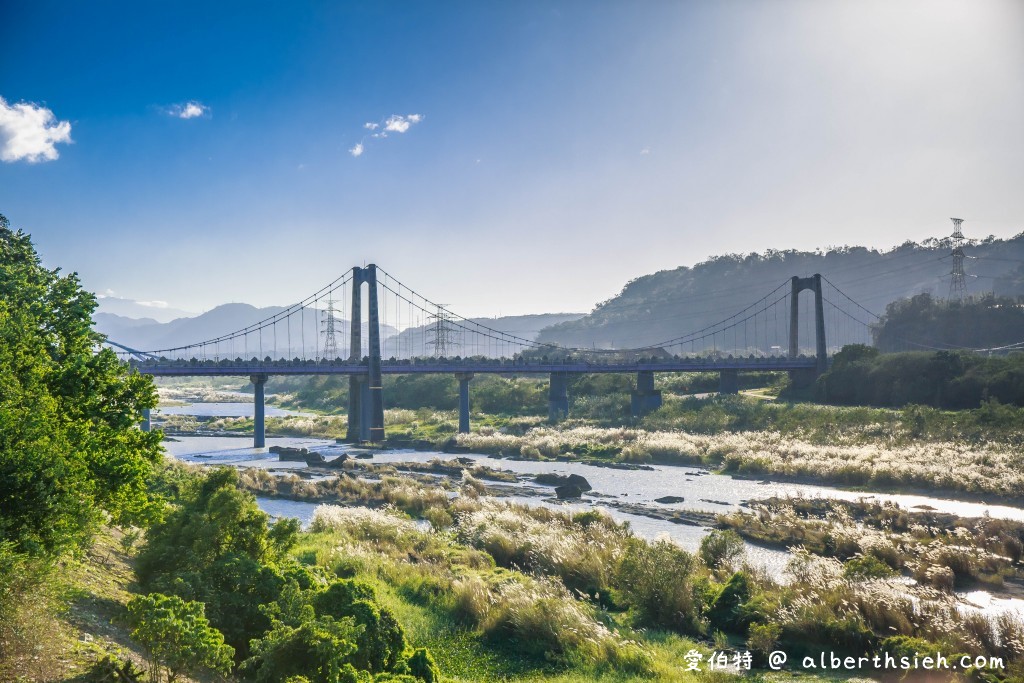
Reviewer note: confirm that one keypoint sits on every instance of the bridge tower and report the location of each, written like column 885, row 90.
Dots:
column 799, row 284
column 365, row 392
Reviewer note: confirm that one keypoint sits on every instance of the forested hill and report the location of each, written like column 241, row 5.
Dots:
column 671, row 303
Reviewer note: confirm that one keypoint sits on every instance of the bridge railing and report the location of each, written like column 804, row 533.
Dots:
column 442, row 364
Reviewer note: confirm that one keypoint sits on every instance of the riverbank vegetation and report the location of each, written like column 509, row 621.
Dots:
column 861, row 375
column 881, row 540
column 570, row 588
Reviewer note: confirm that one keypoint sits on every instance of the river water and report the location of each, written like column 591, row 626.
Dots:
column 223, row 410
column 701, row 490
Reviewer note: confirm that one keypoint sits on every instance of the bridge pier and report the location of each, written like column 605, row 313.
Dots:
column 355, row 408
column 646, row 398
column 359, row 409
column 463, row 378
column 728, row 382
column 558, row 396
column 259, row 430
column 366, row 409
column 147, row 424
column 355, row 391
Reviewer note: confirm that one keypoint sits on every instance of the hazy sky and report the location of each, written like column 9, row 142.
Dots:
column 500, row 157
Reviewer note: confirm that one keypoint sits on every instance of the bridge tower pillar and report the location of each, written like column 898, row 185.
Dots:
column 646, row 398
column 463, row 378
column 147, row 423
column 558, row 396
column 375, row 381
column 259, row 430
column 355, row 392
column 728, row 382
column 821, row 353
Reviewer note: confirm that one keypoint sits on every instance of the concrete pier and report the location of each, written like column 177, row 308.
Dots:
column 365, row 408
column 558, row 396
column 646, row 398
column 259, row 429
column 728, row 382
column 463, row 378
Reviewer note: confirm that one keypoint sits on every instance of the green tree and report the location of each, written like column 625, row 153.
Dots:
column 218, row 547
column 177, row 636
column 68, row 447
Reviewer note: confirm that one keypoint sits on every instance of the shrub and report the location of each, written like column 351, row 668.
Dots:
column 762, row 640
column 908, row 646
column 721, row 549
column 867, row 567
column 421, row 665
column 657, row 581
column 319, row 649
column 725, row 609
column 381, row 642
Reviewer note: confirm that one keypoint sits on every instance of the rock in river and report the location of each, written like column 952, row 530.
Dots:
column 563, row 480
column 567, row 491
column 668, row 500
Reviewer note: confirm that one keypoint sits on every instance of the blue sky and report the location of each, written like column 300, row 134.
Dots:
column 554, row 150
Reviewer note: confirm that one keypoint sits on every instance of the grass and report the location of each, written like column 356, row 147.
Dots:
column 484, row 622
column 67, row 621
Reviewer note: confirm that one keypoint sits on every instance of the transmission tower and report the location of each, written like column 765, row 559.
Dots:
column 330, row 342
column 957, row 286
column 441, row 332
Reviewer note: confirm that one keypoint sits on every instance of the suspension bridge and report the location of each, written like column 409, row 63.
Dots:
column 427, row 337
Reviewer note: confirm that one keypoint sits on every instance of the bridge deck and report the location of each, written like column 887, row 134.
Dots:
column 213, row 369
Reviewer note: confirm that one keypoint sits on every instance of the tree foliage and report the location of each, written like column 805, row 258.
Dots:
column 68, row 447
column 217, row 546
column 861, row 375
column 177, row 636
column 923, row 321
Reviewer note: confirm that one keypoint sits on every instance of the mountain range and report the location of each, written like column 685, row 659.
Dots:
column 673, row 303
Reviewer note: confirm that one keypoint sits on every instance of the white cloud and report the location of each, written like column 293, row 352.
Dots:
column 30, row 132
column 153, row 304
column 396, row 123
column 400, row 124
column 645, row 150
column 188, row 110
